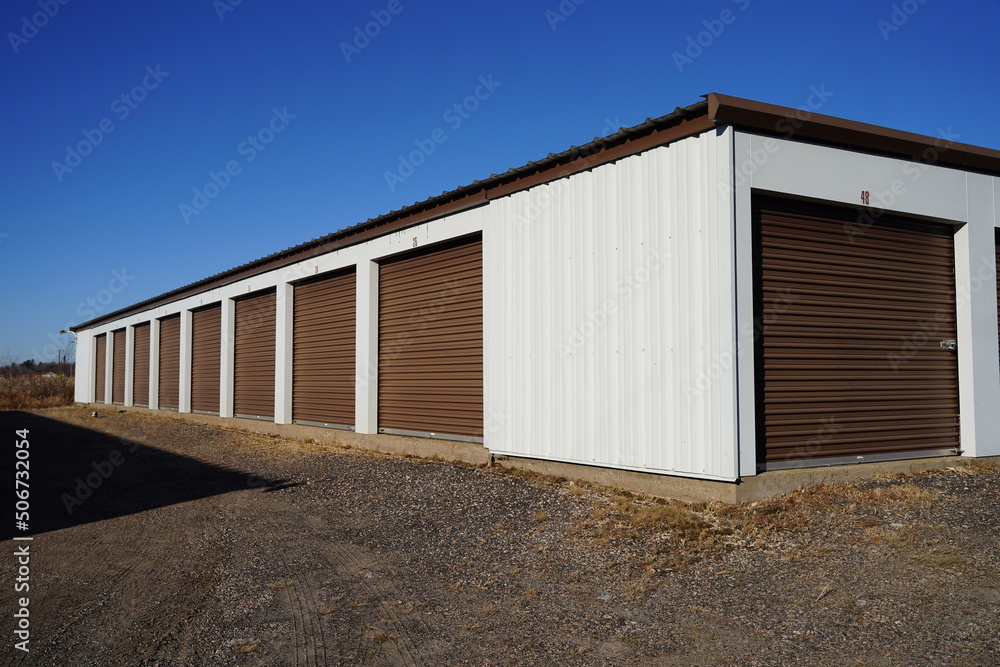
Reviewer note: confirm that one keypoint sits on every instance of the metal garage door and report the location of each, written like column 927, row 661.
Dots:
column 170, row 363
column 853, row 317
column 100, row 366
column 118, row 367
column 430, row 363
column 253, row 364
column 206, row 358
column 140, row 366
column 323, row 350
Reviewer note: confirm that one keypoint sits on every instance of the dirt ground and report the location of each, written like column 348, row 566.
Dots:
column 161, row 542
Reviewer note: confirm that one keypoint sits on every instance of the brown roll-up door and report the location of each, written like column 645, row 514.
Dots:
column 169, row 389
column 206, row 358
column 323, row 340
column 253, row 364
column 853, row 313
column 118, row 367
column 430, row 365
column 140, row 366
column 100, row 366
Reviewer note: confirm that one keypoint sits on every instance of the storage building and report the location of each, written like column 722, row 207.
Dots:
column 724, row 291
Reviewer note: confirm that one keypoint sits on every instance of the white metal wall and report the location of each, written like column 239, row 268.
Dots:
column 610, row 315
column 83, row 386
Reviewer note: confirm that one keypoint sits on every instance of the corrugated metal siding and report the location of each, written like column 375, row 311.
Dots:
column 100, row 365
column 83, row 368
column 169, row 393
column 852, row 363
column 610, row 315
column 430, row 368
column 254, row 355
column 323, row 349
column 118, row 367
column 206, row 358
column 140, row 366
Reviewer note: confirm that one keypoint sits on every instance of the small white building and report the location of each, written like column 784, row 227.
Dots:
column 727, row 290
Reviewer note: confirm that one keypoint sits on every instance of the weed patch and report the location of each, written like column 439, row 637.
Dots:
column 34, row 392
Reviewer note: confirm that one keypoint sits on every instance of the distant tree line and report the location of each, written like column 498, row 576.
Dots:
column 32, row 367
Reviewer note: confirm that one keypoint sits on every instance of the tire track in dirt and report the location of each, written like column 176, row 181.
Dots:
column 296, row 598
column 346, row 557
column 302, row 600
column 312, row 538
column 303, row 605
column 130, row 569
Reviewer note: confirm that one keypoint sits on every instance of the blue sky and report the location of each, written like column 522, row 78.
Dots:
column 117, row 115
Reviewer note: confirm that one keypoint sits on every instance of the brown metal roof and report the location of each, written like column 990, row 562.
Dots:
column 682, row 122
column 782, row 121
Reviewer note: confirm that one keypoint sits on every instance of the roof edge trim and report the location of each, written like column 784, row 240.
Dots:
column 805, row 124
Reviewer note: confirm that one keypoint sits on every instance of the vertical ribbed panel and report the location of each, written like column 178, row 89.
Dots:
column 140, row 366
column 430, row 360
column 206, row 358
column 100, row 363
column 254, row 354
column 610, row 315
column 170, row 363
column 118, row 367
column 852, row 362
column 323, row 344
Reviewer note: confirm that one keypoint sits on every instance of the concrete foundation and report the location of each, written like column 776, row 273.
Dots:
column 448, row 450
column 748, row 489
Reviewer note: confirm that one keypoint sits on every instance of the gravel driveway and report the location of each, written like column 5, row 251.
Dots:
column 205, row 546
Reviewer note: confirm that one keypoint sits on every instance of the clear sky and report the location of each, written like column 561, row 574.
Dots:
column 116, row 115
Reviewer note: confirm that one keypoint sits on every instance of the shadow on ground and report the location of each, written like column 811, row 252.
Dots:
column 77, row 475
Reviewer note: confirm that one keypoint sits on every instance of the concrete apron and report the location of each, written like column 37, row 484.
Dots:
column 747, row 489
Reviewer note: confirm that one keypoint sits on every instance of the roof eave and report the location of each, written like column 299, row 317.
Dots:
column 804, row 124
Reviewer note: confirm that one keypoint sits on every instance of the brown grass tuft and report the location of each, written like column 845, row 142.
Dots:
column 978, row 467
column 673, row 517
column 32, row 392
column 798, row 510
column 908, row 495
column 921, row 545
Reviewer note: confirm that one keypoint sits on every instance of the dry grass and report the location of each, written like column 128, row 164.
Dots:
column 380, row 637
column 282, row 583
column 677, row 518
column 29, row 393
column 244, row 647
column 675, row 534
column 977, row 467
column 921, row 545
column 905, row 495
column 798, row 510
